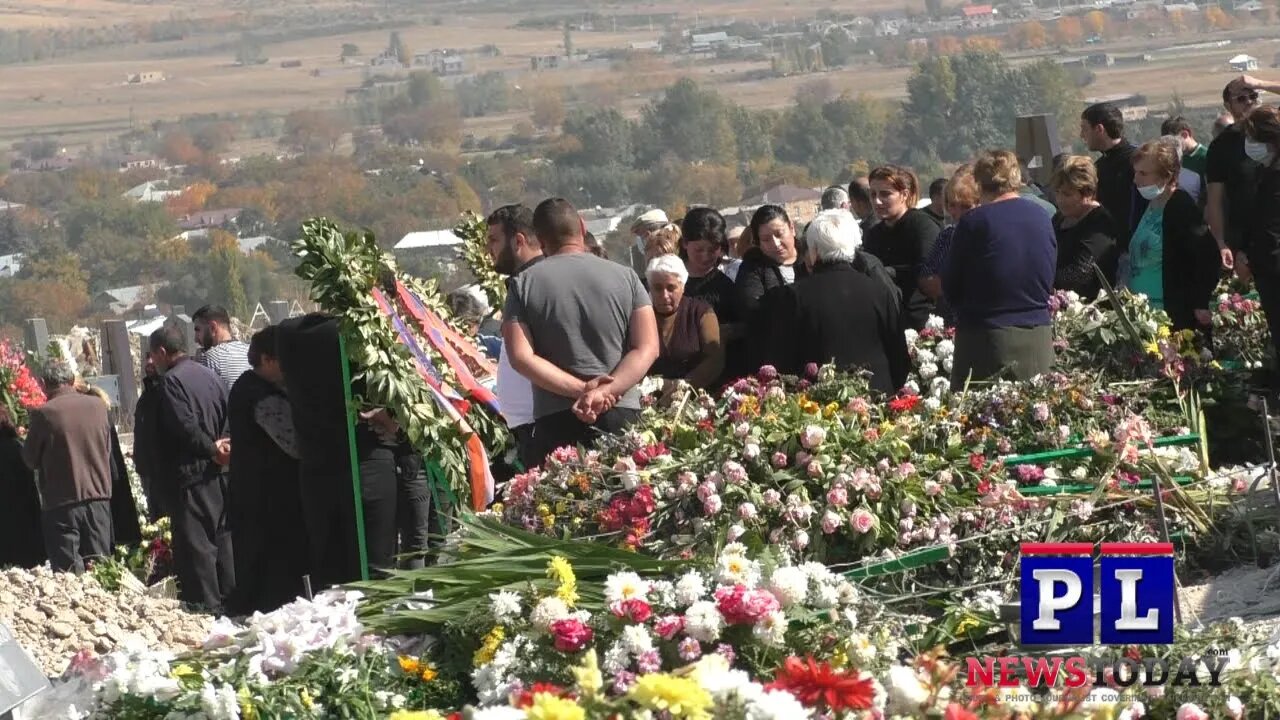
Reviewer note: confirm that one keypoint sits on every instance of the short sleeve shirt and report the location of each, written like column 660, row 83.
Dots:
column 1227, row 164
column 577, row 309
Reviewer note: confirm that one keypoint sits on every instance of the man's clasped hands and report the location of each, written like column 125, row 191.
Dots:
column 598, row 397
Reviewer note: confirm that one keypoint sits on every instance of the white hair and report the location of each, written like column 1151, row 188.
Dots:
column 668, row 264
column 834, row 236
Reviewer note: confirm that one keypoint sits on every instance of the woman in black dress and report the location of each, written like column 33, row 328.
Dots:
column 903, row 239
column 1085, row 231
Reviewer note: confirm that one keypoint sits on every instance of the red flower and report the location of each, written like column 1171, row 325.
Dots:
column 741, row 606
column 525, row 698
column 957, row 712
column 635, row 610
column 816, row 684
column 571, row 635
column 905, row 403
column 977, row 461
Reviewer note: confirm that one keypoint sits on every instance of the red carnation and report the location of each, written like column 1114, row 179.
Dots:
column 571, row 635
column 816, row 685
column 635, row 610
column 525, row 698
column 905, row 403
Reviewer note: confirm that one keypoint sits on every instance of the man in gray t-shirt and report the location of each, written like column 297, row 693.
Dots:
column 582, row 330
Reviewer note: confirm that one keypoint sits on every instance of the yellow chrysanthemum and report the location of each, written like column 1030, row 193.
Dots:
column 416, row 715
column 1163, row 332
column 489, row 647
column 1152, row 349
column 561, row 571
column 587, row 675
column 549, row 707
column 830, row 410
column 429, row 673
column 409, row 665
column 181, row 672
column 966, row 624
column 247, row 710
column 680, row 697
column 305, row 697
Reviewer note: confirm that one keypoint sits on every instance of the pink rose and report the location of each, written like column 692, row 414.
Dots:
column 779, row 460
column 814, row 468
column 635, row 610
column 668, row 626
column 800, row 541
column 571, row 635
column 813, row 436
column 830, row 522
column 712, row 505
column 747, row 511
column 838, row 496
column 772, row 498
column 862, row 521
column 1191, row 711
column 741, row 606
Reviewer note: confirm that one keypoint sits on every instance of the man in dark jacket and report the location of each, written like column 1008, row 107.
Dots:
column 146, row 419
column 192, row 448
column 1102, row 129
column 265, row 503
column 69, row 445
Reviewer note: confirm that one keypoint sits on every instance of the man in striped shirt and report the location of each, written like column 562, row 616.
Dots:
column 227, row 357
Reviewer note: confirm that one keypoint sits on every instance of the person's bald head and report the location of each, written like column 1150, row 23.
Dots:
column 557, row 224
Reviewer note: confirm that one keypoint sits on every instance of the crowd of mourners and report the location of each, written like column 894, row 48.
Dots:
column 246, row 447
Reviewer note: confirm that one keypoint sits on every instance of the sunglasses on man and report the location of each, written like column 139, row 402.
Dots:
column 1247, row 97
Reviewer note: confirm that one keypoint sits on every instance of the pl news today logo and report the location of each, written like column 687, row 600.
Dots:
column 1136, row 594
column 1131, row 596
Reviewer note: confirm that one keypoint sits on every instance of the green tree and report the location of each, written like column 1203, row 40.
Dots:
column 604, row 137
column 483, row 95
column 568, row 40
column 1051, row 90
column 959, row 105
column 249, row 51
column 227, row 284
column 399, row 49
column 349, row 50
column 424, row 87
column 690, row 123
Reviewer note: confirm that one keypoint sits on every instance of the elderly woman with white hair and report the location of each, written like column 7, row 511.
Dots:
column 841, row 313
column 688, row 331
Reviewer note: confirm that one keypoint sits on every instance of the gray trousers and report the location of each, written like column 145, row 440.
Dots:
column 78, row 532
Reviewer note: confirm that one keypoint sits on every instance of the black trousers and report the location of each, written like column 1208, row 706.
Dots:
column 378, row 493
column 78, row 532
column 202, row 544
column 1266, row 276
column 526, row 453
column 413, row 510
column 564, row 428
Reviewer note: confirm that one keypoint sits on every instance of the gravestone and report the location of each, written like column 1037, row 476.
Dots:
column 117, row 360
column 20, row 678
column 1037, row 144
column 278, row 311
column 35, row 336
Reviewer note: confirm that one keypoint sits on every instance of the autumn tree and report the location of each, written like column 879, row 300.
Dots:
column 1029, row 35
column 1215, row 18
column 1096, row 23
column 983, row 44
column 179, row 148
column 313, row 131
column 548, row 109
column 60, row 305
column 947, row 45
column 214, row 137
column 194, row 198
column 1068, row 30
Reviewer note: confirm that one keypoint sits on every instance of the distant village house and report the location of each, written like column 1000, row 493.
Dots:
column 143, row 78
column 1243, row 63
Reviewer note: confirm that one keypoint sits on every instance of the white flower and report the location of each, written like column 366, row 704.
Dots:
column 735, row 569
column 935, row 323
column 777, row 705
column 928, row 371
column 790, row 585
column 625, row 586
column 505, row 606
column 690, row 588
column 1135, row 711
column 702, row 621
column 772, row 629
column 945, row 348
column 662, row 592
column 547, row 611
column 912, row 387
column 911, row 336
column 925, row 356
column 932, row 404
column 906, row 692
column 636, row 639
column 616, row 658
column 219, row 702
column 1235, row 708
column 826, row 596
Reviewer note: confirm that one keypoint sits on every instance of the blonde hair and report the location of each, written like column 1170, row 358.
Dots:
column 997, row 172
column 1163, row 155
column 663, row 241
column 962, row 189
column 1078, row 173
column 901, row 179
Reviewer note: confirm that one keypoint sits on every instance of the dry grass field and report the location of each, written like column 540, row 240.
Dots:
column 84, row 98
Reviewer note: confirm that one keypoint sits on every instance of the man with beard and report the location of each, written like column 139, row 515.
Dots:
column 227, row 357
column 265, row 506
column 514, row 248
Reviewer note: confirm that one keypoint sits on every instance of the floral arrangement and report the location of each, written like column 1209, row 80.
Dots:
column 148, row 562
column 474, row 251
column 1240, row 330
column 19, row 390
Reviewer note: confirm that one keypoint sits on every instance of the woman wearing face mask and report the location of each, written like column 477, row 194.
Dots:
column 903, row 238
column 1262, row 144
column 1173, row 260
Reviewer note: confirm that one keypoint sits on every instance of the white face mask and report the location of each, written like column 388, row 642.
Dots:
column 1258, row 152
column 1150, row 192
